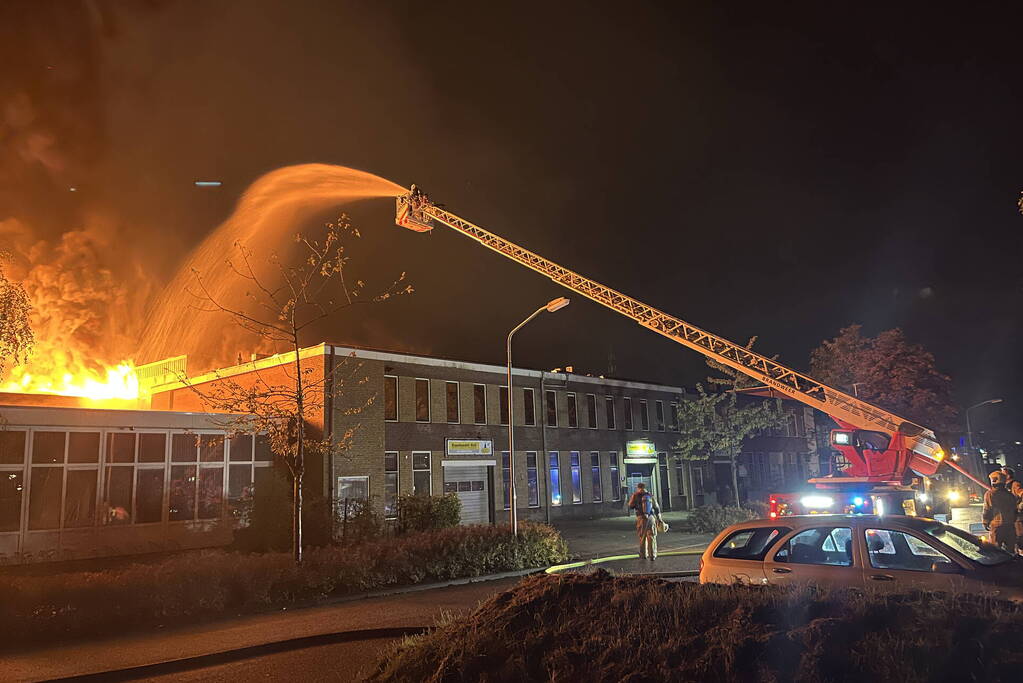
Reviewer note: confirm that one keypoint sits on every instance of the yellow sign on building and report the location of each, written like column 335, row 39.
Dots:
column 640, row 448
column 470, row 447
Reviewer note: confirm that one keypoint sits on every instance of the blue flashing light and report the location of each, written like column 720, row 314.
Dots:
column 857, row 501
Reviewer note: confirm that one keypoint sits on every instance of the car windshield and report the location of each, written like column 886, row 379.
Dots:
column 968, row 545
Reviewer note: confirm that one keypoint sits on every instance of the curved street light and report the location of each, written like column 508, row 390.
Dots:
column 969, row 431
column 550, row 307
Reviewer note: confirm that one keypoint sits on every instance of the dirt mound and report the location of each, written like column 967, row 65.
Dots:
column 597, row 627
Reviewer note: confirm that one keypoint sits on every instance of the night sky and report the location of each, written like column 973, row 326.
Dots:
column 752, row 168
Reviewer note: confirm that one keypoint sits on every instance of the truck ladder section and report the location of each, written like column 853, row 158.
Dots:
column 415, row 211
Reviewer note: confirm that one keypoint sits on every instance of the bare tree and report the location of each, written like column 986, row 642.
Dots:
column 15, row 331
column 278, row 403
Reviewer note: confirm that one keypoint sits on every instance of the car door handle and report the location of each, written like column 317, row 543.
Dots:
column 781, row 570
column 882, row 577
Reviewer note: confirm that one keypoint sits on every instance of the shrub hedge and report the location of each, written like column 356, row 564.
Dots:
column 712, row 519
column 209, row 584
column 425, row 513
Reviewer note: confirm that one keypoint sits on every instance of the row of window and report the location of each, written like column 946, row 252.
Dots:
column 452, row 396
column 71, row 481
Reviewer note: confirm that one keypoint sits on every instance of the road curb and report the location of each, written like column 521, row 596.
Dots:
column 201, row 661
column 558, row 568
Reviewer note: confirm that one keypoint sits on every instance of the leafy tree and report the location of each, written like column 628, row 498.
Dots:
column 278, row 401
column 715, row 424
column 887, row 370
column 15, row 331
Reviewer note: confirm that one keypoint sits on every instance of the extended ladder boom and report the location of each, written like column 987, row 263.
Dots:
column 416, row 212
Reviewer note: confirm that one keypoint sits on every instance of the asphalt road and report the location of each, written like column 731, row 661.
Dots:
column 337, row 663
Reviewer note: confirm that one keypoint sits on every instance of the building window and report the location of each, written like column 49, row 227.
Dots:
column 644, row 417
column 352, row 488
column 555, row 478
column 451, row 391
column 697, row 480
column 609, row 408
column 422, row 400
column 598, row 489
column 422, row 481
column 529, row 408
column 532, row 481
column 591, row 411
column 12, row 447
column 577, row 477
column 391, row 484
column 628, row 412
column 659, row 410
column 248, row 464
column 616, row 481
column 196, row 490
column 390, row 398
column 680, row 475
column 673, row 417
column 573, row 415
column 506, row 478
column 479, row 404
column 502, row 404
column 552, row 408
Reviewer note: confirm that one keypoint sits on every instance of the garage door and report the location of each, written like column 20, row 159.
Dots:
column 470, row 484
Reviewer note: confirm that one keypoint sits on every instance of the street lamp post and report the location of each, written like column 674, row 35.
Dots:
column 550, row 307
column 969, row 430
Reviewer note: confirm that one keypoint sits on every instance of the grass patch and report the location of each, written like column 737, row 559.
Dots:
column 213, row 584
column 596, row 627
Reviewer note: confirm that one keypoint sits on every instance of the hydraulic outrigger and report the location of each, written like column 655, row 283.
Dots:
column 882, row 449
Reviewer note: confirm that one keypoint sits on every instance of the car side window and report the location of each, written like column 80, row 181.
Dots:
column 889, row 549
column 822, row 545
column 750, row 544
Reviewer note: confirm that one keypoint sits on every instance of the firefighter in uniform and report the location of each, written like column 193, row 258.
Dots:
column 647, row 514
column 1000, row 513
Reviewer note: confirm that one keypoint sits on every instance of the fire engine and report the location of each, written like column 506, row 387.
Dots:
column 885, row 456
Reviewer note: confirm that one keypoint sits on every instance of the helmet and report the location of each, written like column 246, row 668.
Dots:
column 997, row 477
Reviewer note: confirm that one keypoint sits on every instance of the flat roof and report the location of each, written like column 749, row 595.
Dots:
column 325, row 348
column 56, row 416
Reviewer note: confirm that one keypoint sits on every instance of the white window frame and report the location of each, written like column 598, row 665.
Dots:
column 613, row 422
column 397, row 482
column 503, row 388
column 429, row 396
column 614, row 468
column 577, row 491
column 429, row 455
column 662, row 422
column 485, row 416
column 536, row 473
column 570, row 398
column 629, row 420
column 458, row 403
column 644, row 416
column 593, row 424
column 597, row 495
column 528, row 391
column 557, row 421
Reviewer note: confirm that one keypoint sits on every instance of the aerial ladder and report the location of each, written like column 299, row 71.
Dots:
column 882, row 450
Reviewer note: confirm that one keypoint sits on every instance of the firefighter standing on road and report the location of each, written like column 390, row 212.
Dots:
column 1000, row 513
column 647, row 514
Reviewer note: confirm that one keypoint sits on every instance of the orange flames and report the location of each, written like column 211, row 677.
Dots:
column 111, row 383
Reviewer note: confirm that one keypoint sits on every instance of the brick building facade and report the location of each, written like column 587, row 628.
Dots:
column 429, row 425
